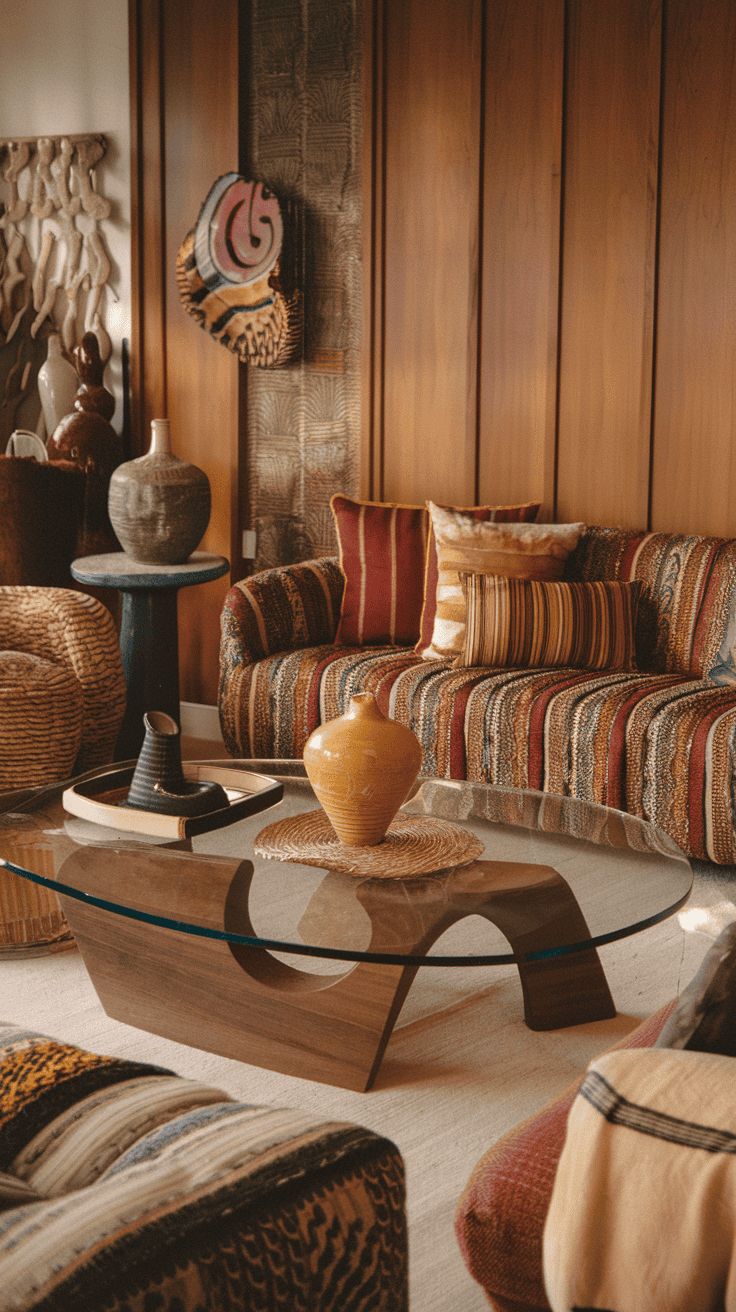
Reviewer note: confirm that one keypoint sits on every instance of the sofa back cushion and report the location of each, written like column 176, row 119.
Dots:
column 687, row 611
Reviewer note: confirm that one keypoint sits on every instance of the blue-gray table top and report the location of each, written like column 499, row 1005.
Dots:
column 117, row 570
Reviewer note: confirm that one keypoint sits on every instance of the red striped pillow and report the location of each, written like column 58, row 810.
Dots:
column 382, row 548
column 389, row 559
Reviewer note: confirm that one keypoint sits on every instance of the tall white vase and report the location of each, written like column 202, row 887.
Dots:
column 57, row 385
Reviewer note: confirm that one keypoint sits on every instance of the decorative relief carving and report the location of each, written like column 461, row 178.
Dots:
column 54, row 267
column 304, row 136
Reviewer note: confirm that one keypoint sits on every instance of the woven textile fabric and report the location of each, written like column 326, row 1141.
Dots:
column 76, row 633
column 464, row 545
column 144, row 1190
column 687, row 613
column 521, row 622
column 500, row 1217
column 650, row 1152
column 41, row 714
column 658, row 742
column 521, row 514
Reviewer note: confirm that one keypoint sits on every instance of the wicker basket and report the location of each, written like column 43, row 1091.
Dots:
column 41, row 509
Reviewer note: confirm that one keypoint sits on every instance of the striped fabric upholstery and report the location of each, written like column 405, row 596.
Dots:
column 660, row 743
column 687, row 614
column 524, row 623
column 157, row 1192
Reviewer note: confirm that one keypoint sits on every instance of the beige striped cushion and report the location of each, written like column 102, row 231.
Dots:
column 530, row 624
column 464, row 545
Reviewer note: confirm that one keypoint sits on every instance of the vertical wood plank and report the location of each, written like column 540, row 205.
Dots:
column 371, row 461
column 608, row 262
column 433, row 75
column 202, row 137
column 694, row 466
column 521, row 236
column 148, row 354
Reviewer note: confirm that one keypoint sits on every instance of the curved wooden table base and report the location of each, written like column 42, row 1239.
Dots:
column 242, row 1002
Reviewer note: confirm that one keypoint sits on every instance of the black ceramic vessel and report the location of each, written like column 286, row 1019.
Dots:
column 158, row 782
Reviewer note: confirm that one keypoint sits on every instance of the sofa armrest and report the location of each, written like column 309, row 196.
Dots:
column 280, row 610
column 77, row 631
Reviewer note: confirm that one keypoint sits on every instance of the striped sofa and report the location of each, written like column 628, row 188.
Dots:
column 659, row 742
column 124, row 1188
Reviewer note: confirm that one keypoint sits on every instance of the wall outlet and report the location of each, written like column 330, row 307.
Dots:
column 250, row 543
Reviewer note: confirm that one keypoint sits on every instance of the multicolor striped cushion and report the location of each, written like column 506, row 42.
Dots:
column 157, row 1192
column 464, row 545
column 522, row 622
column 521, row 514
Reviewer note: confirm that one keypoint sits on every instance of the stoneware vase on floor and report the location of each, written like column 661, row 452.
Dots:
column 361, row 767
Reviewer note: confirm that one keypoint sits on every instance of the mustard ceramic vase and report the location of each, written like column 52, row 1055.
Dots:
column 362, row 767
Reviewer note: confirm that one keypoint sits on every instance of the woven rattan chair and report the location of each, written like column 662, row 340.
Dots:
column 62, row 696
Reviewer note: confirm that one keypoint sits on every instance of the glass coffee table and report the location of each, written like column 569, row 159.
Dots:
column 304, row 970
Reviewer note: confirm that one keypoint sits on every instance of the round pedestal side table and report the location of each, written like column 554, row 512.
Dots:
column 149, row 639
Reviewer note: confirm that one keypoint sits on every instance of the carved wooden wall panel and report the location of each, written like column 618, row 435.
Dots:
column 305, row 97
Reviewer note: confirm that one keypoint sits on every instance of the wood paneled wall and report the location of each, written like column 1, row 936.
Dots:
column 549, row 251
column 555, row 257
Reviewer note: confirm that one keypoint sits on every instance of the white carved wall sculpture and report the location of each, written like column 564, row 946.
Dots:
column 54, row 266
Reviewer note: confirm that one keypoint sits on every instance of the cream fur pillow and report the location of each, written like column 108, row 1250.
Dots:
column 465, row 545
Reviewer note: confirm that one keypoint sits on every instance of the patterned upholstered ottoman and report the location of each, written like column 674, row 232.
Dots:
column 658, row 741
column 126, row 1188
column 501, row 1215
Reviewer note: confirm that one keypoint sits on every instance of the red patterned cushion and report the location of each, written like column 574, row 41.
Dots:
column 522, row 514
column 389, row 560
column 382, row 550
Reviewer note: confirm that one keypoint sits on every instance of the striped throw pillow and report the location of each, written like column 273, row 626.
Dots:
column 389, row 559
column 381, row 548
column 466, row 546
column 526, row 513
column 531, row 624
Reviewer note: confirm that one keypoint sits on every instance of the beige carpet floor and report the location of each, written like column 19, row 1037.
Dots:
column 459, row 1071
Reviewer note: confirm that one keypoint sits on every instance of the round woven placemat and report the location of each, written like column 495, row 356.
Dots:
column 414, row 845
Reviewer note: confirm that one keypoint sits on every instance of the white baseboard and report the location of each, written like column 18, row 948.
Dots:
column 199, row 721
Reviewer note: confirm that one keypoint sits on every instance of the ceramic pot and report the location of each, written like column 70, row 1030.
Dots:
column 362, row 767
column 57, row 385
column 158, row 782
column 85, row 437
column 159, row 505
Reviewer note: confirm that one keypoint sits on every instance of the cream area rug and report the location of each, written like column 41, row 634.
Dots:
column 460, row 1070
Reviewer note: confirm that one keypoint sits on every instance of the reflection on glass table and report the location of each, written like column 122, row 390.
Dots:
column 303, row 969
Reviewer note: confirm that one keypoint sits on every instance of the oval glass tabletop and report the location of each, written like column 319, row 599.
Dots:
column 546, row 876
